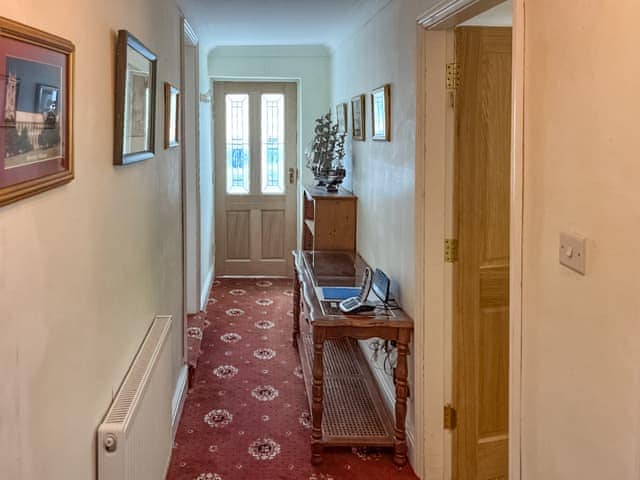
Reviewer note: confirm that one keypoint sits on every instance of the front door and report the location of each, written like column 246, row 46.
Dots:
column 481, row 321
column 256, row 157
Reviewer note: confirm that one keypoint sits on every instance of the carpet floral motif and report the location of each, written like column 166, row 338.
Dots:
column 225, row 371
column 265, row 393
column 247, row 416
column 264, row 354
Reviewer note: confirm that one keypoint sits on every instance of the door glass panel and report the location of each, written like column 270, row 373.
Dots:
column 273, row 144
column 237, row 144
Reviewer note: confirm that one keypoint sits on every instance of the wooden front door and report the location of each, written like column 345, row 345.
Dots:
column 256, row 158
column 481, row 323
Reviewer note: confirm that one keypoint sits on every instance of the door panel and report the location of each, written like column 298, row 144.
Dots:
column 273, row 222
column 238, row 234
column 481, row 323
column 256, row 149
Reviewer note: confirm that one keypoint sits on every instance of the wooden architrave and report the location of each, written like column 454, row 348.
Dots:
column 432, row 369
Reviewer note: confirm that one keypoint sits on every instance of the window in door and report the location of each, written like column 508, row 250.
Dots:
column 238, row 155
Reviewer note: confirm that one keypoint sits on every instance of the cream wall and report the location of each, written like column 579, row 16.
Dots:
column 382, row 175
column 85, row 267
column 581, row 352
column 309, row 65
column 207, row 181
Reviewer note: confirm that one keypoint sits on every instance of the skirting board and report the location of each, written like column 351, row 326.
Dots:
column 385, row 383
column 179, row 396
column 204, row 295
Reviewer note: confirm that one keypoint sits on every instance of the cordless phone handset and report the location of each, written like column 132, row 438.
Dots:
column 359, row 303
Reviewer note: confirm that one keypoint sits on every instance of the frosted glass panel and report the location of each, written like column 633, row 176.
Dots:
column 273, row 143
column 238, row 144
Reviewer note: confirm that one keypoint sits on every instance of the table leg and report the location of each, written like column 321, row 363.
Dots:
column 402, row 392
column 317, row 393
column 296, row 307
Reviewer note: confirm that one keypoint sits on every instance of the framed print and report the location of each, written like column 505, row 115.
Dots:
column 171, row 116
column 358, row 117
column 36, row 110
column 381, row 113
column 134, row 138
column 341, row 117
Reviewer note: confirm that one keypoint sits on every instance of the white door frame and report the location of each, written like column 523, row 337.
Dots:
column 190, row 181
column 434, row 223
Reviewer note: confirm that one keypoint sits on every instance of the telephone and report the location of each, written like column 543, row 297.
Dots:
column 359, row 303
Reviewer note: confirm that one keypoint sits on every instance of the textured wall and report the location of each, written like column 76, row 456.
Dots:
column 382, row 174
column 85, row 267
column 581, row 381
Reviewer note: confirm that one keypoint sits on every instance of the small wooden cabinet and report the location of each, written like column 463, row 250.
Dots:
column 329, row 220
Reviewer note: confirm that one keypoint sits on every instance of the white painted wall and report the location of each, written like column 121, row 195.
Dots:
column 207, row 230
column 192, row 219
column 581, row 352
column 85, row 267
column 383, row 50
column 309, row 65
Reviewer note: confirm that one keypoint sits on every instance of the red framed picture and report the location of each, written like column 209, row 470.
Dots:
column 36, row 104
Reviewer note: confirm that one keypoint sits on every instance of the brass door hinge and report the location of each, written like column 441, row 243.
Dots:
column 453, row 76
column 450, row 418
column 451, row 250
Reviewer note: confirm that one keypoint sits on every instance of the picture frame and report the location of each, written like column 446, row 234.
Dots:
column 358, row 117
column 341, row 117
column 381, row 113
column 36, row 147
column 172, row 116
column 135, row 101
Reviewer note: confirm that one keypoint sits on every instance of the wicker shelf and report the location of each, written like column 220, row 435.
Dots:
column 354, row 412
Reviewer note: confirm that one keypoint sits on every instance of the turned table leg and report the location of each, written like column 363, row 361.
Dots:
column 296, row 307
column 317, row 393
column 402, row 392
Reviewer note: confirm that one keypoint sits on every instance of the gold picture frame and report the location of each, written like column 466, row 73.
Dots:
column 36, row 124
column 341, row 117
column 171, row 116
column 358, row 117
column 381, row 114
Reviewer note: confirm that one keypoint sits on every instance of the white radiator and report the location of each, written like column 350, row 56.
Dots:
column 135, row 439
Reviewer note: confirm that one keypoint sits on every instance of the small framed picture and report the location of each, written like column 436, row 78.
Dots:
column 134, row 137
column 36, row 101
column 171, row 116
column 358, row 117
column 341, row 117
column 381, row 113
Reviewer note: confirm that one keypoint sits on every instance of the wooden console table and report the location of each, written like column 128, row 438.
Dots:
column 347, row 408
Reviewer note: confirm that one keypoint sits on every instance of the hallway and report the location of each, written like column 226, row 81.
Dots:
column 247, row 416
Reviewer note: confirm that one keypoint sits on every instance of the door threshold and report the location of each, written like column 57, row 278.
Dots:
column 275, row 277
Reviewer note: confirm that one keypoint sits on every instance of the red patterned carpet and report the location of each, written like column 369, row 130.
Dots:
column 247, row 417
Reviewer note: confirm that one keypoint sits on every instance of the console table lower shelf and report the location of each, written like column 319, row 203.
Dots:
column 354, row 413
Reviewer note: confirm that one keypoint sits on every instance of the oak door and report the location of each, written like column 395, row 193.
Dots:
column 255, row 159
column 481, row 323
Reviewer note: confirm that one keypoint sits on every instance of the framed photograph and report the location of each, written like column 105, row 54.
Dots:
column 171, row 116
column 381, row 113
column 341, row 117
column 358, row 117
column 36, row 110
column 136, row 65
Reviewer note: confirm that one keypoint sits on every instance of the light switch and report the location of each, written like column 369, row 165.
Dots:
column 573, row 252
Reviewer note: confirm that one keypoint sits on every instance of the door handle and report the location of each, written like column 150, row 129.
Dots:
column 292, row 175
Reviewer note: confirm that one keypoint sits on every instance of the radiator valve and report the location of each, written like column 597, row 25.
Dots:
column 110, row 443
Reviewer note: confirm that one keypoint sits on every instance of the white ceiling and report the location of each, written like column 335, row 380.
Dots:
column 277, row 22
column 498, row 16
